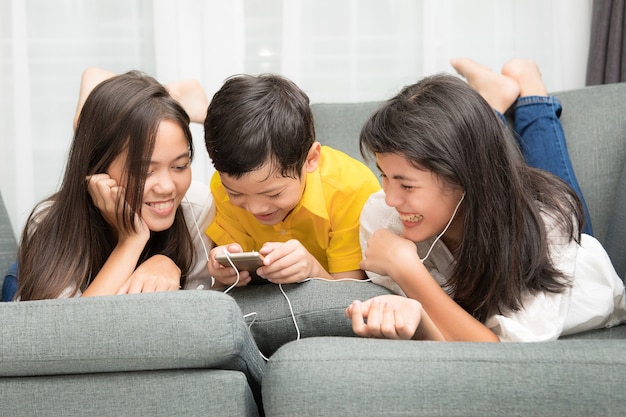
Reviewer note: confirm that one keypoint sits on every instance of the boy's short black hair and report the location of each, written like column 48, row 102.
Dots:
column 253, row 120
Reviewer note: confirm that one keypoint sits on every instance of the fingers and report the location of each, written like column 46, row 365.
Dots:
column 104, row 191
column 138, row 285
column 402, row 328
column 228, row 277
column 99, row 180
column 108, row 196
column 366, row 317
column 234, row 248
column 358, row 316
column 378, row 319
column 286, row 262
column 225, row 274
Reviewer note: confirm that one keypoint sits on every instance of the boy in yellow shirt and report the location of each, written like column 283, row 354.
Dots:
column 278, row 191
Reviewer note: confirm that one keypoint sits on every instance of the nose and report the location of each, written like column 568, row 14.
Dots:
column 255, row 206
column 164, row 183
column 392, row 198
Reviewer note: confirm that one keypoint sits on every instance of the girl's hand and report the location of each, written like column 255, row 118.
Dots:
column 108, row 197
column 225, row 276
column 385, row 316
column 158, row 273
column 386, row 251
column 289, row 262
column 392, row 317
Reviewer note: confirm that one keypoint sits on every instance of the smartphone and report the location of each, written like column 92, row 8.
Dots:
column 244, row 261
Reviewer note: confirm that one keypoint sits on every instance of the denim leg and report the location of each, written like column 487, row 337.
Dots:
column 9, row 286
column 542, row 141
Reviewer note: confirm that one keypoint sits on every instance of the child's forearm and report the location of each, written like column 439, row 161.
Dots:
column 116, row 270
column 355, row 274
column 427, row 330
column 318, row 271
column 450, row 319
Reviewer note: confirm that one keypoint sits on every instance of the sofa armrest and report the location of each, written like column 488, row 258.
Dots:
column 594, row 122
column 8, row 244
column 143, row 332
column 616, row 236
column 368, row 377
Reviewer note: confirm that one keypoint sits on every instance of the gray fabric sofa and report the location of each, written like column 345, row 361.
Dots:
column 195, row 352
column 187, row 353
column 582, row 375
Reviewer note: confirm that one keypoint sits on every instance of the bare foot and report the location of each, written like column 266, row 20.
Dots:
column 498, row 90
column 527, row 75
column 190, row 95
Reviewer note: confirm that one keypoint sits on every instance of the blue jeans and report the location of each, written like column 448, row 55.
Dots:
column 9, row 286
column 542, row 141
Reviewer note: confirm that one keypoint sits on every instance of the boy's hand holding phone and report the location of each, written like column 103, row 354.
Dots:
column 289, row 262
column 276, row 262
column 223, row 272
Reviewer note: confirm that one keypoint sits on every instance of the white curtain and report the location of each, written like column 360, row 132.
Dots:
column 201, row 39
column 45, row 47
column 336, row 50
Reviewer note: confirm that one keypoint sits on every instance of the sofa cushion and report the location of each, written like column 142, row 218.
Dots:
column 318, row 308
column 188, row 392
column 371, row 377
column 616, row 332
column 143, row 332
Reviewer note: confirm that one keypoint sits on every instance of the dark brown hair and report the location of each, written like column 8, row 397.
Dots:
column 66, row 240
column 443, row 125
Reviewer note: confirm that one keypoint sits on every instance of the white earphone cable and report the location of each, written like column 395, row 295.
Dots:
column 445, row 229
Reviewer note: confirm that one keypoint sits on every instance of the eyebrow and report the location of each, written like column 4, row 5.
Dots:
column 181, row 156
column 397, row 177
column 269, row 191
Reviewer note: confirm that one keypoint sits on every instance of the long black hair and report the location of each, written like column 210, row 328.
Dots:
column 443, row 125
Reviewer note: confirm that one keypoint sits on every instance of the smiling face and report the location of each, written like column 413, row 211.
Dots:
column 423, row 201
column 268, row 195
column 168, row 178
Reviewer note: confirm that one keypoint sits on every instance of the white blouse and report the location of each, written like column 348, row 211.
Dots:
column 594, row 300
column 199, row 212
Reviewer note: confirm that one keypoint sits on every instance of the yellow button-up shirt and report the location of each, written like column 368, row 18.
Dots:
column 325, row 221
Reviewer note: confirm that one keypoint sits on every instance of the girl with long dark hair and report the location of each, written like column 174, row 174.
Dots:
column 500, row 255
column 118, row 215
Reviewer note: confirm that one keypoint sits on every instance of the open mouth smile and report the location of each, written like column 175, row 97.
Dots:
column 411, row 218
column 163, row 207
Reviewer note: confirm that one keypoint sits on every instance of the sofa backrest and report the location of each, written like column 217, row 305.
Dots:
column 594, row 120
column 615, row 241
column 338, row 125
